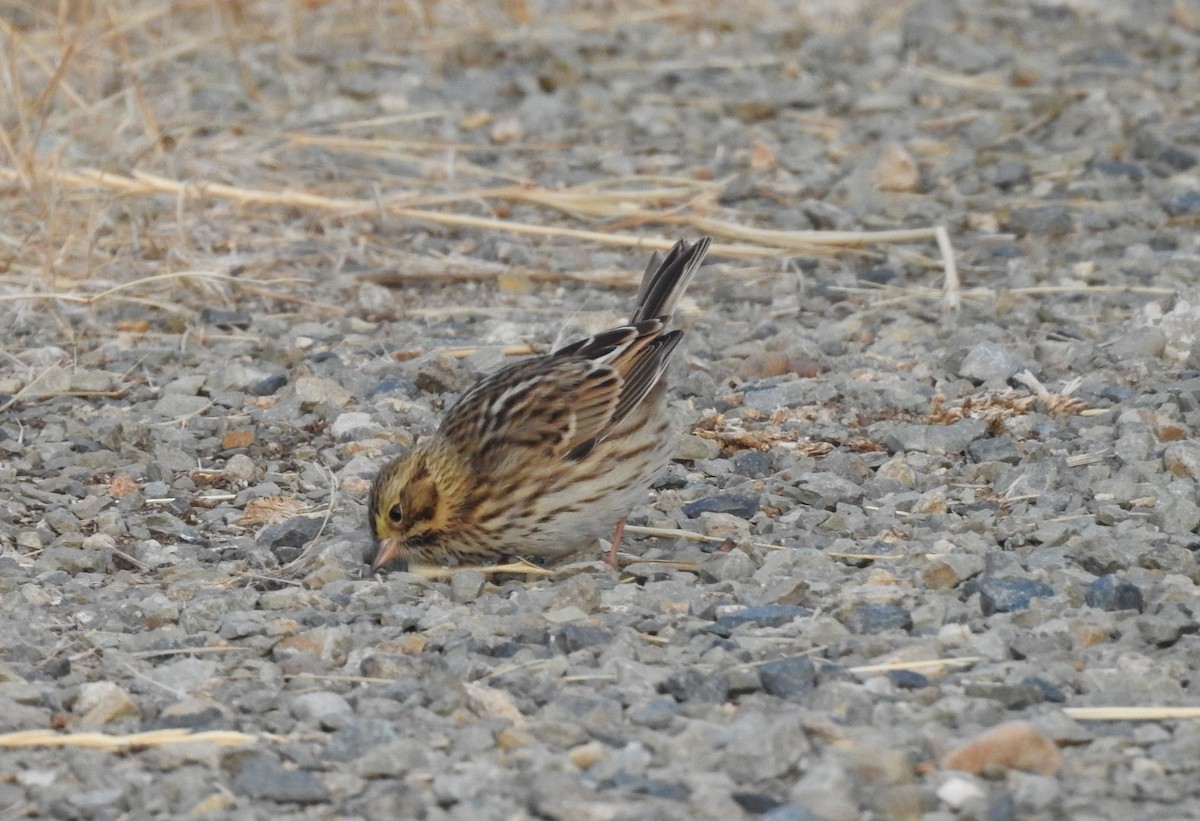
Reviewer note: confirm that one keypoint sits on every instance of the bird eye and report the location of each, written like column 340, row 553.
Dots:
column 395, row 514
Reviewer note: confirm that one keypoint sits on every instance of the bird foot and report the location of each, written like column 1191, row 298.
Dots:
column 611, row 559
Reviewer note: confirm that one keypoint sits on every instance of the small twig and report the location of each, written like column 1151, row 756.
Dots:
column 626, row 559
column 431, row 572
column 925, row 664
column 508, row 350
column 116, row 743
column 19, row 394
column 951, row 287
column 179, row 694
column 306, row 555
column 512, row 668
column 864, row 557
column 351, row 679
column 125, row 557
column 1083, row 459
column 755, row 242
column 187, row 651
column 674, row 533
column 1130, row 713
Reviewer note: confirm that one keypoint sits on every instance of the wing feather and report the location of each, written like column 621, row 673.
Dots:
column 559, row 406
column 533, row 411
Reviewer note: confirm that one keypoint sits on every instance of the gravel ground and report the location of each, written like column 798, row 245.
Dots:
column 932, row 535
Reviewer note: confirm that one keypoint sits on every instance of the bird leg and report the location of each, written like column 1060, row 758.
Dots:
column 611, row 558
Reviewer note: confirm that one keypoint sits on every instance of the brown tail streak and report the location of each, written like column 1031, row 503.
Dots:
column 665, row 280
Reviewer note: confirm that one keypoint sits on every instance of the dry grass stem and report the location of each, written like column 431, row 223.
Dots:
column 752, row 242
column 521, row 567
column 673, row 533
column 123, row 743
column 926, row 665
column 1131, row 713
column 951, row 287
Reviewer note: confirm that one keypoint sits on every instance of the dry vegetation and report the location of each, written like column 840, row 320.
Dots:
column 165, row 155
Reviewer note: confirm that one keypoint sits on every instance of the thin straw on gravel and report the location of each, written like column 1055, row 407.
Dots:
column 752, row 242
column 119, row 743
column 1131, row 713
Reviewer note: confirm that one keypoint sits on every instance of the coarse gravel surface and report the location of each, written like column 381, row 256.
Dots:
column 250, row 251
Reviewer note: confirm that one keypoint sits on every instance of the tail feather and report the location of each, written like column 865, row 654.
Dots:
column 665, row 280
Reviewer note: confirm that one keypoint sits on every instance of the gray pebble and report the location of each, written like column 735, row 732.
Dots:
column 314, row 390
column 320, row 707
column 767, row 615
column 287, row 538
column 269, row 386
column 391, row 760
column 92, row 803
column 789, row 812
column 694, row 685
column 574, row 637
column 990, row 362
column 656, row 713
column 788, row 678
column 936, row 439
column 180, row 405
column 1114, row 593
column 261, row 777
column 736, row 503
column 752, row 463
column 466, row 585
column 867, row 619
column 1042, row 221
column 769, row 395
column 1007, row 595
column 1140, row 342
column 1183, row 203
column 351, row 426
column 994, row 449
column 183, row 676
column 824, row 490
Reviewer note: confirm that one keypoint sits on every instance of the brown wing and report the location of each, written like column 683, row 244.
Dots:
column 558, row 406
column 531, row 411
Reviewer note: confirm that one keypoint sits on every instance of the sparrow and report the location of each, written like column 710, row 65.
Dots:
column 543, row 457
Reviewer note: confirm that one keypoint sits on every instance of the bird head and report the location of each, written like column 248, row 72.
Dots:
column 408, row 508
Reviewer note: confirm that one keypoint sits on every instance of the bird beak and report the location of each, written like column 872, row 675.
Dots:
column 386, row 552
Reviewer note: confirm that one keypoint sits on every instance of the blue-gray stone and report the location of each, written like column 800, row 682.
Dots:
column 1007, row 595
column 226, row 318
column 263, row 777
column 574, row 637
column 764, row 615
column 739, row 504
column 755, row 803
column 402, row 386
column 657, row 713
column 1048, row 691
column 752, row 463
column 1111, row 592
column 788, row 678
column 994, row 449
column 269, row 386
column 694, row 685
column 1004, row 808
column 358, row 737
column 295, row 532
column 908, row 679
column 1182, row 204
column 1041, row 221
column 789, row 812
column 868, row 619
